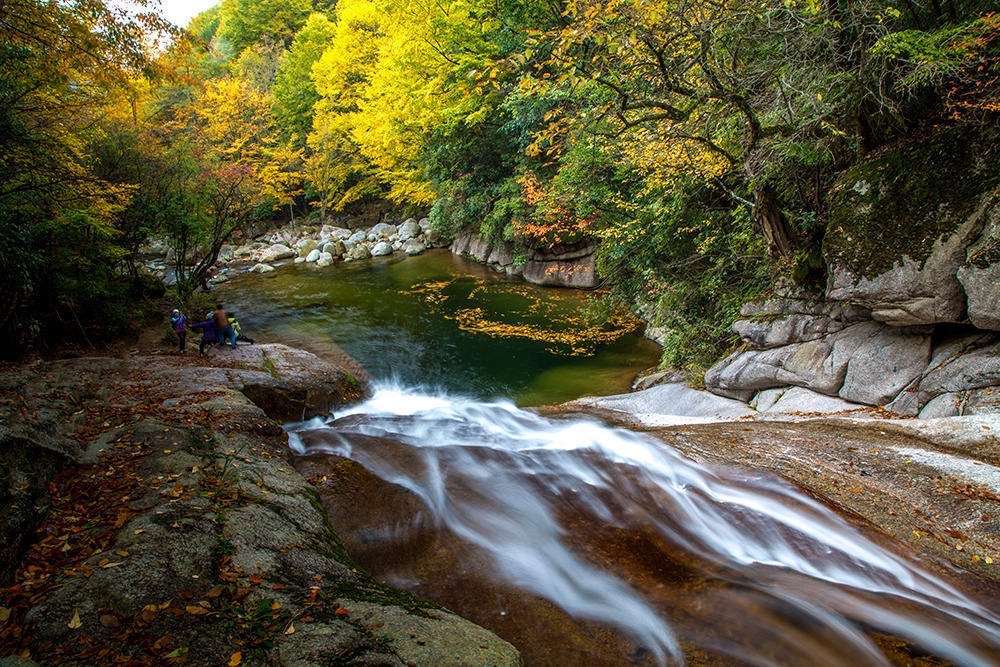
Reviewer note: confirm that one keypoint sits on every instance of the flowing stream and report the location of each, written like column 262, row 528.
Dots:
column 578, row 542
column 794, row 582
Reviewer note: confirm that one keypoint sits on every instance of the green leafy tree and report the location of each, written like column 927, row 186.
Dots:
column 294, row 89
column 246, row 22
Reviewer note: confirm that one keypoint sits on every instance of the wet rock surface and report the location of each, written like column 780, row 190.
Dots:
column 185, row 535
column 901, row 487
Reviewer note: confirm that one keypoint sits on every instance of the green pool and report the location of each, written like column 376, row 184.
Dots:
column 440, row 321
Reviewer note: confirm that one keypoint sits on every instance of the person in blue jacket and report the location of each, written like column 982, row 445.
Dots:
column 210, row 334
column 178, row 322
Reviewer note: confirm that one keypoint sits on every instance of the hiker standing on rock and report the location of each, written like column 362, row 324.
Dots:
column 178, row 322
column 209, row 332
column 225, row 328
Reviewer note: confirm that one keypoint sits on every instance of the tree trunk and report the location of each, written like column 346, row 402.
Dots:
column 771, row 223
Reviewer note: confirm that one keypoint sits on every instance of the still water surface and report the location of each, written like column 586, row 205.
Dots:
column 440, row 321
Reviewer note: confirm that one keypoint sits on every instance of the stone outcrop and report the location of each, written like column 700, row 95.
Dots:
column 912, row 293
column 979, row 275
column 912, row 249
column 557, row 267
column 668, row 403
column 795, row 341
column 187, row 535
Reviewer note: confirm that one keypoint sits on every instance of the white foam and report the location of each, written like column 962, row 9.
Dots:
column 512, row 464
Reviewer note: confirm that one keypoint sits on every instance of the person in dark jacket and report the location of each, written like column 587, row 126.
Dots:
column 178, row 322
column 209, row 332
column 235, row 324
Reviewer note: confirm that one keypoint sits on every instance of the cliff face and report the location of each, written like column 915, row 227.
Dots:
column 911, row 310
column 178, row 529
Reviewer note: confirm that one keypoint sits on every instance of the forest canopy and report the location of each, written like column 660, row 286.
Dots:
column 695, row 140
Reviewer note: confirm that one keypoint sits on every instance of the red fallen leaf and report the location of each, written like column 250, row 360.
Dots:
column 215, row 592
column 341, row 611
column 256, row 579
column 195, row 610
column 109, row 621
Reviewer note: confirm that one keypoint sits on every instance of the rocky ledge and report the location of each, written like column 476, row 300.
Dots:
column 909, row 319
column 153, row 517
column 567, row 266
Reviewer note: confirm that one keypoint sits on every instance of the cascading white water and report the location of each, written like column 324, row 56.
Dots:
column 491, row 473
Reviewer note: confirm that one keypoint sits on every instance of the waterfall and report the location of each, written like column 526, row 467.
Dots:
column 494, row 474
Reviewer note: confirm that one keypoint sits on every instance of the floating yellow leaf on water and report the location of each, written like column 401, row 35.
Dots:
column 290, row 630
column 235, row 659
column 275, row 605
column 989, row 561
column 4, row 614
column 74, row 622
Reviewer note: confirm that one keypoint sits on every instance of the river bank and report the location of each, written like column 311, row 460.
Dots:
column 178, row 525
column 152, row 517
column 621, row 529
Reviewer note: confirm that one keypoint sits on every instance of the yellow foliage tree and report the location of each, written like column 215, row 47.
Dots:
column 393, row 75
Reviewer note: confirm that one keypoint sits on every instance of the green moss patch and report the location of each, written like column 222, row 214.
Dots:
column 901, row 202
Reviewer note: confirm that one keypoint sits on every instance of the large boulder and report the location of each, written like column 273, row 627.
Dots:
column 473, row 245
column 334, row 233
column 866, row 362
column 409, row 229
column 314, row 255
column 306, row 246
column 434, row 239
column 897, row 237
column 884, row 364
column 382, row 230
column 357, row 237
column 335, row 248
column 260, row 267
column 573, row 269
column 324, row 259
column 381, row 249
column 960, row 366
column 276, row 252
column 670, row 403
column 801, row 401
column 980, row 275
column 793, row 317
column 413, row 247
column 359, row 251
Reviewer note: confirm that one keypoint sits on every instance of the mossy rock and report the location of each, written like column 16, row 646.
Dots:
column 902, row 201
